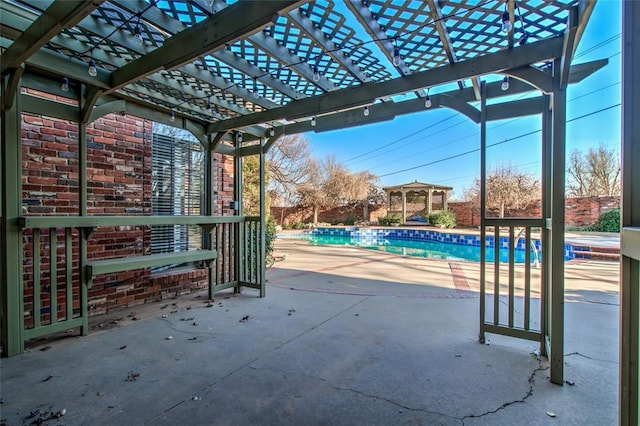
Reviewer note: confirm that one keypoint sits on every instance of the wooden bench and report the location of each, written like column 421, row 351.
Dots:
column 123, row 264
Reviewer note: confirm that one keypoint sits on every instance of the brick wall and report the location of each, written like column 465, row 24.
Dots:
column 578, row 211
column 118, row 183
column 289, row 215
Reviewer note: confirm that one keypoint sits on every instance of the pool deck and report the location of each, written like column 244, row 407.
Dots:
column 345, row 336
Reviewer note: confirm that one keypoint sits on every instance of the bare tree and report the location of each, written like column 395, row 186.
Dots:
column 331, row 184
column 507, row 189
column 288, row 161
column 311, row 193
column 596, row 173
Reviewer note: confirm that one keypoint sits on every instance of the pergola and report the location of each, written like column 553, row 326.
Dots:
column 240, row 75
column 426, row 191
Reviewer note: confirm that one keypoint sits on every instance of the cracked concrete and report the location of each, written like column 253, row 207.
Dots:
column 337, row 359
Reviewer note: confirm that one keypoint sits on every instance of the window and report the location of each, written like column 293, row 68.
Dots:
column 177, row 189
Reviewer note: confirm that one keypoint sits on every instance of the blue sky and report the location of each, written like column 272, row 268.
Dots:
column 431, row 136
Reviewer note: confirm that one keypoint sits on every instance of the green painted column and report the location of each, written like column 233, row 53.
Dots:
column 556, row 294
column 263, row 223
column 630, row 219
column 546, row 229
column 11, row 246
column 85, row 234
column 237, row 196
column 483, row 206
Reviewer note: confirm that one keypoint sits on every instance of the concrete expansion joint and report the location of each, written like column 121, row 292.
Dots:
column 531, row 380
column 590, row 358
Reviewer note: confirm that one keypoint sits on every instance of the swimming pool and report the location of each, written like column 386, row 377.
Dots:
column 426, row 249
column 427, row 243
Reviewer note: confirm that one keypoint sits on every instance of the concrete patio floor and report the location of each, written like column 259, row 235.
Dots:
column 344, row 336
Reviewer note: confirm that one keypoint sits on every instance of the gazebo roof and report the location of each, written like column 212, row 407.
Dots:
column 418, row 186
column 274, row 67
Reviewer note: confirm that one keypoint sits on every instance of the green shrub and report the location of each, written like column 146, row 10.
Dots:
column 298, row 225
column 443, row 219
column 390, row 219
column 269, row 236
column 608, row 221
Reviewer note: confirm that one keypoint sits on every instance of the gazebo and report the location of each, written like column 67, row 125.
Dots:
column 416, row 198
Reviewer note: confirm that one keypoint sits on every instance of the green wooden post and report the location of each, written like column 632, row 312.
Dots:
column 11, row 247
column 82, row 211
column 208, row 211
column 237, row 234
column 546, row 228
column 262, row 259
column 483, row 205
column 630, row 219
column 556, row 295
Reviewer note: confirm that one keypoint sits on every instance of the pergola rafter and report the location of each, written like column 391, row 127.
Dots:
column 207, row 36
column 57, row 16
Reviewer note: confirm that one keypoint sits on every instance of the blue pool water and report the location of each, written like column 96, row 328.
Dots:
column 426, row 249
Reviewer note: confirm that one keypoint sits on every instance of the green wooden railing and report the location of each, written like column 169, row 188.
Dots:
column 511, row 315
column 234, row 256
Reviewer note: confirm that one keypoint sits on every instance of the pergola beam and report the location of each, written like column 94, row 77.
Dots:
column 59, row 15
column 367, row 92
column 72, row 68
column 207, row 36
column 388, row 111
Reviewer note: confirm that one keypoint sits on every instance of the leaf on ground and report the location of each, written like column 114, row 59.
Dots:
column 570, row 382
column 551, row 414
column 132, row 377
column 245, row 318
column 48, row 378
column 123, row 347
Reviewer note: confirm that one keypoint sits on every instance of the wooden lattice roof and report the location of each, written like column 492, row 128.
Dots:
column 257, row 66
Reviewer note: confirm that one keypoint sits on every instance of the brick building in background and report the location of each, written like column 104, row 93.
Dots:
column 120, row 180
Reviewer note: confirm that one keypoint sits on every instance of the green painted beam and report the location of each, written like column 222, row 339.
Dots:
column 204, row 37
column 513, row 109
column 59, row 15
column 389, row 110
column 522, row 222
column 33, row 333
column 367, row 92
column 29, row 222
column 514, row 332
column 123, row 264
column 37, row 105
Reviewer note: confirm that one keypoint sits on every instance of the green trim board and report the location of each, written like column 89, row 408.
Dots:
column 30, row 222
column 122, row 264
